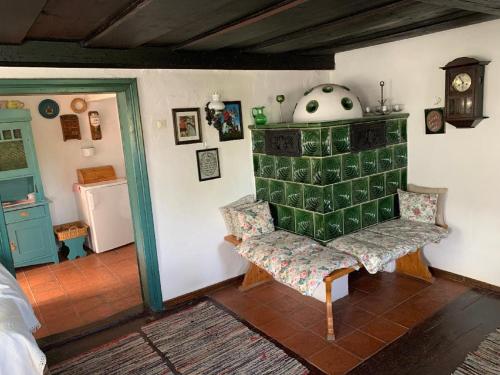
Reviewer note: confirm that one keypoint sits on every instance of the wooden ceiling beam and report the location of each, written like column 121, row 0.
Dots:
column 408, row 31
column 16, row 19
column 275, row 9
column 68, row 54
column 480, row 6
column 350, row 20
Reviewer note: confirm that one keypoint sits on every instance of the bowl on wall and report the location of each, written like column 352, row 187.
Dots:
column 327, row 102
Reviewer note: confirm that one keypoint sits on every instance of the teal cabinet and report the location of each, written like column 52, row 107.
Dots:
column 28, row 226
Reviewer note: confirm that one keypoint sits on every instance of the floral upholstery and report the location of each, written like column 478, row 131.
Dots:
column 227, row 212
column 255, row 220
column 418, row 206
column 294, row 260
column 382, row 243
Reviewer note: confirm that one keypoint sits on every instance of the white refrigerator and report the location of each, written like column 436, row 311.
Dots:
column 105, row 208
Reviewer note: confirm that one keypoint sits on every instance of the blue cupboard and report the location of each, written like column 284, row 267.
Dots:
column 26, row 216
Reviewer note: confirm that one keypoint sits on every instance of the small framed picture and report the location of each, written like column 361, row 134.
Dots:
column 232, row 122
column 208, row 164
column 434, row 121
column 187, row 125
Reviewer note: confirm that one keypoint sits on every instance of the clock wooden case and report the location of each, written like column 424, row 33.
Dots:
column 464, row 92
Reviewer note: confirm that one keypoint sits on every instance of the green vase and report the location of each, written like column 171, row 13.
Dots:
column 259, row 116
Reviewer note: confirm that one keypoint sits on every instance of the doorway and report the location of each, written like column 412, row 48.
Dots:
column 135, row 167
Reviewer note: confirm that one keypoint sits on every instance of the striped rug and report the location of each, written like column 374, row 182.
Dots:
column 126, row 356
column 485, row 360
column 205, row 339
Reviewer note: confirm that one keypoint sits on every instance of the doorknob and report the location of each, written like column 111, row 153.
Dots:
column 12, row 246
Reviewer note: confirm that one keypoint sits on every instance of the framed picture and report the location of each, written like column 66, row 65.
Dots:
column 208, row 164
column 434, row 121
column 232, row 122
column 187, row 125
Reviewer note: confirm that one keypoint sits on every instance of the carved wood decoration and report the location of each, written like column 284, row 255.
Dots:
column 70, row 127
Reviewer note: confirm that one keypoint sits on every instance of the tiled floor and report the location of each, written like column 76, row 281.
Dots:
column 379, row 309
column 76, row 293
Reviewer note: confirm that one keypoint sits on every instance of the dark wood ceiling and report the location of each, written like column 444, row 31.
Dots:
column 245, row 34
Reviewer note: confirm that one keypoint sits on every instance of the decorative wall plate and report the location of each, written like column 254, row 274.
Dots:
column 48, row 108
column 434, row 121
column 78, row 105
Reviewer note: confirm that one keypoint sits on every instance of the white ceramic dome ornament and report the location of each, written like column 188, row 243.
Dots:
column 327, row 102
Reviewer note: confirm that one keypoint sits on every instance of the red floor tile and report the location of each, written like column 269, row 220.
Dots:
column 360, row 344
column 384, row 329
column 334, row 360
column 281, row 328
column 305, row 343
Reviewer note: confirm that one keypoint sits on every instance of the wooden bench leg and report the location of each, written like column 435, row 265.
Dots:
column 255, row 276
column 414, row 265
column 330, row 333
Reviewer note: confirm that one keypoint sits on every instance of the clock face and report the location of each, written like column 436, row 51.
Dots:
column 461, row 82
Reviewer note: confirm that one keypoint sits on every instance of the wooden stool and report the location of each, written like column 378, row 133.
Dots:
column 73, row 236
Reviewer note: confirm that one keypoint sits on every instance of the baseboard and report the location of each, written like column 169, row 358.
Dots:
column 175, row 302
column 464, row 280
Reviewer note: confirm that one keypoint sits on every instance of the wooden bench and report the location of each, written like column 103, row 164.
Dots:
column 412, row 264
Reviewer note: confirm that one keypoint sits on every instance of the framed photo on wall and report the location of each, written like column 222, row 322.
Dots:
column 208, row 164
column 187, row 125
column 434, row 121
column 232, row 122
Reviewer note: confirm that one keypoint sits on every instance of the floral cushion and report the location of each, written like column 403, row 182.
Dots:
column 255, row 220
column 230, row 219
column 418, row 206
column 294, row 260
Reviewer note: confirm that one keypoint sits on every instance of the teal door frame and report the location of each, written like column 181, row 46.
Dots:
column 135, row 164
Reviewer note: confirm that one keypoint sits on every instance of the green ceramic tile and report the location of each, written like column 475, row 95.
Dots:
column 404, row 179
column 377, row 186
column 286, row 218
column 319, row 227
column 350, row 166
column 258, row 141
column 301, row 170
column 341, row 195
column 386, row 208
column 334, row 225
column 402, row 130
column 369, row 214
column 392, row 131
column 317, row 171
column 368, row 162
column 326, row 142
column 304, row 222
column 360, row 190
column 277, row 192
column 311, row 142
column 352, row 219
column 294, row 195
column 385, row 159
column 256, row 165
column 332, row 169
column 392, row 182
column 400, row 156
column 327, row 198
column 262, row 189
column 267, row 166
column 283, row 168
column 313, row 198
column 341, row 142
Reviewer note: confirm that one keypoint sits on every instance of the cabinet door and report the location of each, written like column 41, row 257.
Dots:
column 29, row 242
column 15, row 154
column 5, row 255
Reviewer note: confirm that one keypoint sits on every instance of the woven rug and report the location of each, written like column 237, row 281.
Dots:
column 203, row 339
column 485, row 360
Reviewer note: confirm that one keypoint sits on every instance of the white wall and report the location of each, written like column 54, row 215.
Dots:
column 59, row 160
column 189, row 228
column 466, row 161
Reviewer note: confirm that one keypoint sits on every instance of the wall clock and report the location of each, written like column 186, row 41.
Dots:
column 434, row 121
column 464, row 92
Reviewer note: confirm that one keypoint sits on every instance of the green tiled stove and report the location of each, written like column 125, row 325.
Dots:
column 328, row 179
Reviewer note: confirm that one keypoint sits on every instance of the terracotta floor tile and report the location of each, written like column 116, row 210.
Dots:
column 376, row 305
column 354, row 296
column 240, row 304
column 285, row 305
column 264, row 293
column 334, row 360
column 360, row 344
column 305, row 343
column 280, row 328
column 307, row 316
column 313, row 302
column 100, row 312
column 340, row 330
column 353, row 316
column 367, row 284
column 49, row 285
column 35, row 279
column 226, row 294
column 384, row 329
column 125, row 303
column 261, row 315
column 49, row 296
column 405, row 315
column 87, row 304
